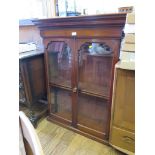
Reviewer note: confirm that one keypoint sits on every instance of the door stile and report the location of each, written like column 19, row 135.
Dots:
column 47, row 78
column 74, row 84
column 115, row 60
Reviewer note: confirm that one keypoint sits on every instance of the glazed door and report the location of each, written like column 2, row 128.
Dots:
column 95, row 61
column 59, row 58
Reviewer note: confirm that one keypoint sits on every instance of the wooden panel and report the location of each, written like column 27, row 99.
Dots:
column 123, row 139
column 92, row 115
column 93, row 32
column 124, row 102
column 104, row 20
column 22, row 94
column 33, row 76
column 26, row 83
column 36, row 72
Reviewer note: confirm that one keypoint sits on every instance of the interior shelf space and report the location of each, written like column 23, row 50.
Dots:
column 61, row 82
column 97, row 125
column 94, row 90
column 58, row 85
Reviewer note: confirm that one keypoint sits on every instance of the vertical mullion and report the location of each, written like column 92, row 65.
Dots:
column 74, row 83
column 47, row 78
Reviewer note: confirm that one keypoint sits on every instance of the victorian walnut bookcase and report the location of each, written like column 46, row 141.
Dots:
column 80, row 54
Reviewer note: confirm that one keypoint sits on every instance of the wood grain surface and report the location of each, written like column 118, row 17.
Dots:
column 56, row 140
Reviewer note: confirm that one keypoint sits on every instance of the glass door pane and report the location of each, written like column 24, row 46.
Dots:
column 59, row 71
column 61, row 103
column 95, row 63
column 94, row 81
column 92, row 112
column 59, row 59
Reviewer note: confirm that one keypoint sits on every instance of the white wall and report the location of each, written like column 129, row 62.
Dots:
column 43, row 8
column 103, row 6
column 32, row 9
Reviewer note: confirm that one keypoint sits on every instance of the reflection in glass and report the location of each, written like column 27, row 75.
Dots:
column 95, row 62
column 96, row 48
column 59, row 58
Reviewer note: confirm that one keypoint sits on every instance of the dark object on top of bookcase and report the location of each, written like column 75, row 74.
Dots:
column 71, row 13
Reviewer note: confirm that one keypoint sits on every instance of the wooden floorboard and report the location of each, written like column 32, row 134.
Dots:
column 57, row 140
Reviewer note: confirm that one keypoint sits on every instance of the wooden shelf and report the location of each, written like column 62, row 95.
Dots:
column 61, row 81
column 66, row 87
column 94, row 90
column 92, row 93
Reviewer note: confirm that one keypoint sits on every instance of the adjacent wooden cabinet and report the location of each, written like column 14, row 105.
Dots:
column 31, row 77
column 32, row 84
column 123, row 111
column 80, row 55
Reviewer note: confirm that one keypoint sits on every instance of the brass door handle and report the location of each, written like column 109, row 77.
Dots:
column 74, row 89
